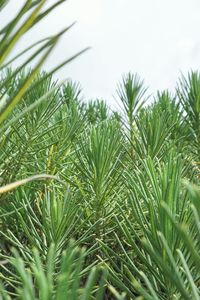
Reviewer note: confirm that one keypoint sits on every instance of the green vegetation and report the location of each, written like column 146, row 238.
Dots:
column 95, row 204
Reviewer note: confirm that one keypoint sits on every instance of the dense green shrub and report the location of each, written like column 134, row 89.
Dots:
column 95, row 204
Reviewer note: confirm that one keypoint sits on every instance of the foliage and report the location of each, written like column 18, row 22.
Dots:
column 52, row 279
column 95, row 204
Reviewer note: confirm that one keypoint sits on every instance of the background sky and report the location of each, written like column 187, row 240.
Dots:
column 156, row 38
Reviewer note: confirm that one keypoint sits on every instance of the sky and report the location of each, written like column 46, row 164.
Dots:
column 158, row 39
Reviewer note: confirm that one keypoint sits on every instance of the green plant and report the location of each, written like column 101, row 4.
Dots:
column 94, row 204
column 158, row 232
column 51, row 279
column 37, row 224
column 131, row 93
column 10, row 35
column 98, row 160
column 189, row 95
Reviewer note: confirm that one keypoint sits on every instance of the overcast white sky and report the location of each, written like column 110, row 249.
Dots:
column 156, row 38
